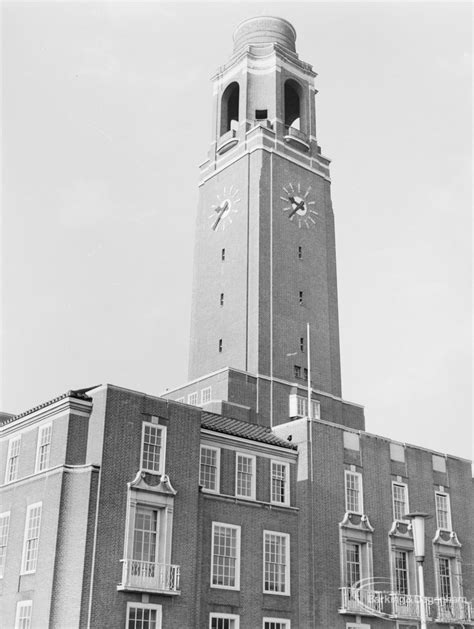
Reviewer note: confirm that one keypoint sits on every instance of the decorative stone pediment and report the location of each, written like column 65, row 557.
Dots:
column 152, row 482
column 357, row 521
column 401, row 529
column 447, row 538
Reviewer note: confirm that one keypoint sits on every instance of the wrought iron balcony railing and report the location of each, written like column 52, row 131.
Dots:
column 394, row 605
column 146, row 576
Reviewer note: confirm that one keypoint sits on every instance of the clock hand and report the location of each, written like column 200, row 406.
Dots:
column 221, row 211
column 298, row 206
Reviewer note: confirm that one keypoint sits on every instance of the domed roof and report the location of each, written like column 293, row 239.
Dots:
column 264, row 30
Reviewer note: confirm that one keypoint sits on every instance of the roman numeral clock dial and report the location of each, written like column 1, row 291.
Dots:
column 224, row 208
column 297, row 206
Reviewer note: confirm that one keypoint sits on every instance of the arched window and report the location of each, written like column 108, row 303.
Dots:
column 229, row 107
column 292, row 104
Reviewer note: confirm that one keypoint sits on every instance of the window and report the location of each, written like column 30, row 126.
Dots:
column 301, row 344
column 301, row 297
column 206, row 395
column 351, row 440
column 230, row 107
column 443, row 511
column 12, row 459
column 280, row 474
column 223, row 621
column 444, row 574
column 305, row 373
column 4, row 528
column 23, row 614
column 261, row 114
column 353, row 492
column 31, row 542
column 401, row 572
column 209, row 468
column 299, row 407
column 44, row 447
column 223, row 255
column 300, row 253
column 397, row 452
column 225, row 562
column 400, row 500
column 153, row 448
column 276, row 577
column 297, row 371
column 292, row 103
column 221, row 299
column 353, row 566
column 193, row 398
column 143, row 616
column 276, row 623
column 220, row 345
column 439, row 463
column 245, row 476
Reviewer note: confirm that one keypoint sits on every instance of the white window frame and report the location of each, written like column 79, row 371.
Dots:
column 4, row 532
column 287, row 563
column 348, row 473
column 409, row 570
column 26, row 539
column 48, row 429
column 298, row 406
column 216, row 489
column 193, row 398
column 206, row 394
column 13, row 459
column 150, row 606
column 252, row 457
column 218, row 616
column 451, row 564
column 286, row 498
column 407, row 503
column 284, row 622
column 236, row 528
column 448, row 503
column 161, row 467
column 19, row 607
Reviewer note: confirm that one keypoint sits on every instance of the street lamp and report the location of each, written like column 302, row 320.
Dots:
column 418, row 526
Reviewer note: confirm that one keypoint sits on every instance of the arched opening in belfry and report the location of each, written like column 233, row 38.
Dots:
column 292, row 104
column 230, row 107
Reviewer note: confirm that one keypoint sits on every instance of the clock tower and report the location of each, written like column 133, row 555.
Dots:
column 265, row 260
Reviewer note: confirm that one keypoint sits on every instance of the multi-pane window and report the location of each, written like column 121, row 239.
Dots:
column 299, row 407
column 153, row 447
column 443, row 511
column 297, row 371
column 245, row 476
column 223, row 621
column 400, row 500
column 144, row 536
column 444, row 569
column 353, row 567
column 44, row 447
column 193, row 398
column 353, row 492
column 12, row 459
column 209, row 468
column 280, row 482
column 225, row 566
column 275, row 623
column 32, row 533
column 401, row 571
column 143, row 616
column 23, row 614
column 205, row 395
column 4, row 528
column 276, row 550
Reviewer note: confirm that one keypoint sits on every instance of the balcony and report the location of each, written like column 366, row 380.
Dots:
column 391, row 605
column 227, row 141
column 296, row 138
column 145, row 576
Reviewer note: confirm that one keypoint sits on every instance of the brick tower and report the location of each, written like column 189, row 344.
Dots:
column 265, row 259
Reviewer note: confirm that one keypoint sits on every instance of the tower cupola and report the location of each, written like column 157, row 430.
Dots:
column 258, row 31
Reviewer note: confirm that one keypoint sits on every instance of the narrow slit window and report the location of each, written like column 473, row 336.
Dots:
column 221, row 300
column 223, row 254
column 220, row 345
column 301, row 343
column 301, row 297
column 300, row 253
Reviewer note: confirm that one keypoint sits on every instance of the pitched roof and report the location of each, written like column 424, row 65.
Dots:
column 245, row 430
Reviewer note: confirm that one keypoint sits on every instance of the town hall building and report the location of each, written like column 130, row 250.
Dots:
column 252, row 496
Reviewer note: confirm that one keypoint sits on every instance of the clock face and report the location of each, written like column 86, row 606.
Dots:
column 298, row 207
column 224, row 208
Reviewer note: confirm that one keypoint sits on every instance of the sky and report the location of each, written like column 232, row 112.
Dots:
column 106, row 115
